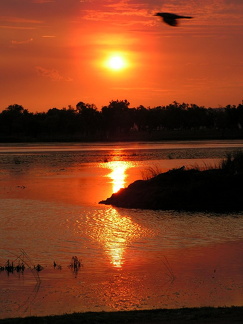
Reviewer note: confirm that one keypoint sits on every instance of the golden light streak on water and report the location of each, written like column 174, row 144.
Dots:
column 118, row 173
column 114, row 233
column 115, row 237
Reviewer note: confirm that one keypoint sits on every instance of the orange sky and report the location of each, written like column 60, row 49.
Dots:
column 54, row 53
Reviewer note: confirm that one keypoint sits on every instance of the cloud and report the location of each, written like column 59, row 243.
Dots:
column 16, row 27
column 149, row 89
column 42, row 1
column 106, row 9
column 51, row 74
column 48, row 36
column 15, row 19
column 45, row 11
column 14, row 22
column 27, row 41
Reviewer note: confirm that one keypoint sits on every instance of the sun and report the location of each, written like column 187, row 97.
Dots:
column 116, row 63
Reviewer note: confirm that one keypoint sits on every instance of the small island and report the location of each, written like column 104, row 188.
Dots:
column 217, row 189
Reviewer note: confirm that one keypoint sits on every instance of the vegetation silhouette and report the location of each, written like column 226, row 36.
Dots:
column 216, row 189
column 200, row 315
column 118, row 121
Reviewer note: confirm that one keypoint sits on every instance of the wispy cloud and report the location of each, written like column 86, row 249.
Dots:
column 26, row 41
column 51, row 74
column 14, row 22
column 48, row 36
column 106, row 9
column 42, row 1
column 13, row 19
column 16, row 27
column 150, row 89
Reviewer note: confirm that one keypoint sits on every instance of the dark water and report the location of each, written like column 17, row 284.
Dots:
column 130, row 259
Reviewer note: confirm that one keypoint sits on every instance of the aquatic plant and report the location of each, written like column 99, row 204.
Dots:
column 38, row 267
column 20, row 263
column 150, row 172
column 57, row 266
column 75, row 265
column 169, row 272
column 13, row 266
column 233, row 163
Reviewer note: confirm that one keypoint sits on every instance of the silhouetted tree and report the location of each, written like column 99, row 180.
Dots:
column 116, row 120
column 240, row 116
column 117, row 117
column 13, row 120
column 141, row 116
column 89, row 119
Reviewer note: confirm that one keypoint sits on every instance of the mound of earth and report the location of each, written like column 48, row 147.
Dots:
column 181, row 189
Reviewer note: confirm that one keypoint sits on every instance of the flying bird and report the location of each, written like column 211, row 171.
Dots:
column 170, row 18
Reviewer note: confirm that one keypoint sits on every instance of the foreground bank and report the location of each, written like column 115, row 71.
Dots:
column 217, row 189
column 204, row 315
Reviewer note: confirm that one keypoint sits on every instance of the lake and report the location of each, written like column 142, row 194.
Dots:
column 129, row 259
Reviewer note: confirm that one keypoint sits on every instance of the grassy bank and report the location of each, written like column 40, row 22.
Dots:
column 215, row 189
column 204, row 315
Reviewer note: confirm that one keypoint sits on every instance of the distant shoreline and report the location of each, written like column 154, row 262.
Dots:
column 119, row 122
column 202, row 315
column 160, row 135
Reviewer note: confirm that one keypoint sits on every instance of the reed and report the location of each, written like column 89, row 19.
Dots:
column 150, row 172
column 169, row 272
column 233, row 163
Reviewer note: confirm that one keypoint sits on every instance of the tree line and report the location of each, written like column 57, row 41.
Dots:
column 118, row 121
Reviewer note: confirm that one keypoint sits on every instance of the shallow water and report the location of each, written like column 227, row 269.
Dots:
column 130, row 259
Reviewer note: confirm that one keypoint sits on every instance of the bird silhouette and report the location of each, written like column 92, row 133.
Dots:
column 170, row 18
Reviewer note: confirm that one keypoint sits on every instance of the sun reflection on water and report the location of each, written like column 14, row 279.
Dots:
column 107, row 227
column 118, row 173
column 114, row 233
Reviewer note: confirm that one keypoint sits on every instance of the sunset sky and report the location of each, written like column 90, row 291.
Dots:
column 55, row 53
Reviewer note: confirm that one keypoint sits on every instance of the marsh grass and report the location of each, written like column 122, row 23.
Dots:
column 205, row 166
column 169, row 272
column 19, row 264
column 150, row 172
column 233, row 163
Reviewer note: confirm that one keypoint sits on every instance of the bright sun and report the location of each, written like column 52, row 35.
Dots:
column 116, row 62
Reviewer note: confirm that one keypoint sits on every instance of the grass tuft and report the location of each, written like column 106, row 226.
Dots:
column 151, row 172
column 233, row 163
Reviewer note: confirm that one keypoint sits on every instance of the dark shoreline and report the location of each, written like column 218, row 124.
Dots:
column 211, row 190
column 148, row 136
column 203, row 315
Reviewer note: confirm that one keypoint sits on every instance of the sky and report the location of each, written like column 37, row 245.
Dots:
column 56, row 53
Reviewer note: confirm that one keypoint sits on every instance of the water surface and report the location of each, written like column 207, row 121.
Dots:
column 131, row 259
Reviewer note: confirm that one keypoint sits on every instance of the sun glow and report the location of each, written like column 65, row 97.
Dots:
column 116, row 62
